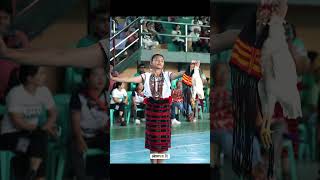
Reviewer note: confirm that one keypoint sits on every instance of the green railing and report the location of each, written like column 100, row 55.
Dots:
column 183, row 25
column 140, row 21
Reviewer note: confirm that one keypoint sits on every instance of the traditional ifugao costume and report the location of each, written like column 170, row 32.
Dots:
column 158, row 105
column 245, row 75
column 262, row 73
column 194, row 87
column 187, row 94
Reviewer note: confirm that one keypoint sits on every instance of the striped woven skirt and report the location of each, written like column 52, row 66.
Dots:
column 158, row 124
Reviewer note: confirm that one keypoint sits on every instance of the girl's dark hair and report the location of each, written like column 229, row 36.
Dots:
column 26, row 71
column 175, row 26
column 86, row 74
column 155, row 55
column 116, row 85
column 138, row 86
column 18, row 77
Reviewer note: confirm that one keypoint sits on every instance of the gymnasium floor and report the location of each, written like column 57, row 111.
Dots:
column 190, row 143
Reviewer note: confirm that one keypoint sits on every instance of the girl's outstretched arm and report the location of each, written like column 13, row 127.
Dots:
column 137, row 79
column 88, row 57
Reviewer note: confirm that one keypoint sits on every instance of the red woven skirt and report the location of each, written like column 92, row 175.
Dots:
column 158, row 124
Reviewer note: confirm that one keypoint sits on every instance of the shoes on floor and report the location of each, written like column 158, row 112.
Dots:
column 175, row 122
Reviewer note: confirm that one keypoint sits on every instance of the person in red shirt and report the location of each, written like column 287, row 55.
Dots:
column 13, row 39
column 177, row 102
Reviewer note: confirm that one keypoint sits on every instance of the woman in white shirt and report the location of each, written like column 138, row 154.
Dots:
column 89, row 114
column 157, row 89
column 21, row 128
column 194, row 40
column 119, row 100
column 138, row 99
column 178, row 41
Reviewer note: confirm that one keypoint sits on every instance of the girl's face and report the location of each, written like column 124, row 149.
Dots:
column 179, row 85
column 221, row 73
column 140, row 86
column 122, row 86
column 97, row 78
column 177, row 27
column 39, row 78
column 157, row 62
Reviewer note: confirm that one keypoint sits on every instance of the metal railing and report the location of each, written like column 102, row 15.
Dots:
column 139, row 30
column 114, row 46
column 186, row 36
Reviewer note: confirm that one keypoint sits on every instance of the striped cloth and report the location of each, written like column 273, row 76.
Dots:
column 187, row 80
column 158, row 124
column 247, row 58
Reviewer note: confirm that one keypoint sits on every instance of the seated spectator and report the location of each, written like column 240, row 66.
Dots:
column 158, row 26
column 194, row 44
column 130, row 41
column 204, row 43
column 22, row 129
column 148, row 43
column 178, row 41
column 150, row 38
column 177, row 102
column 13, row 39
column 119, row 100
column 205, row 20
column 89, row 116
column 197, row 24
column 138, row 98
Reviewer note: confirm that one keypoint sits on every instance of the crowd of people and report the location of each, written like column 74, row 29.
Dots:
column 31, row 122
column 198, row 32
